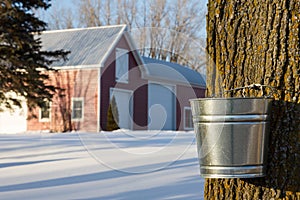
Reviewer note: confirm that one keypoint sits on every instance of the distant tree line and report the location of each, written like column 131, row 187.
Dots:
column 172, row 30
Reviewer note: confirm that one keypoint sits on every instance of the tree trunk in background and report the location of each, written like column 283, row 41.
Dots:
column 258, row 42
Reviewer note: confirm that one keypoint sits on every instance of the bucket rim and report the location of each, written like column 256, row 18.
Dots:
column 232, row 98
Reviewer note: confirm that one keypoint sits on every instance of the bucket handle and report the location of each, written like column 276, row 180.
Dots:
column 255, row 86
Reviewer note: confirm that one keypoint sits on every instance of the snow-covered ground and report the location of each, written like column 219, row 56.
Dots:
column 108, row 165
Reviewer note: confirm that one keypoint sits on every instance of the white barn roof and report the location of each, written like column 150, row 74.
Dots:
column 88, row 46
column 172, row 72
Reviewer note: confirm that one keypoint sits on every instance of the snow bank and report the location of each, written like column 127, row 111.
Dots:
column 108, row 165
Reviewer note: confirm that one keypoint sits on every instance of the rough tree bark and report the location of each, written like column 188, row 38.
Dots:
column 258, row 42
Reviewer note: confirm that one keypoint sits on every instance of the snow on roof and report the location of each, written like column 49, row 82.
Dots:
column 88, row 46
column 172, row 72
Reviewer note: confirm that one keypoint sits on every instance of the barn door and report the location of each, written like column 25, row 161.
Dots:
column 161, row 107
column 124, row 103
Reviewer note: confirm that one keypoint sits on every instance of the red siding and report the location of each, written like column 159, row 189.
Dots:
column 135, row 84
column 75, row 83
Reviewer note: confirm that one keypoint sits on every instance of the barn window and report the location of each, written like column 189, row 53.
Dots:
column 122, row 65
column 188, row 120
column 45, row 112
column 77, row 109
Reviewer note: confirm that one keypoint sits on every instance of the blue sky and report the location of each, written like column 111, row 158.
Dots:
column 62, row 3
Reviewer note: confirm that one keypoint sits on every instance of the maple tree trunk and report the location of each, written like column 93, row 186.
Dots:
column 258, row 42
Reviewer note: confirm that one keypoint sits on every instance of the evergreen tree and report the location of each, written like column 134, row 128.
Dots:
column 22, row 61
column 112, row 116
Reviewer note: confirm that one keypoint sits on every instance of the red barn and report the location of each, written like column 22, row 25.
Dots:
column 149, row 93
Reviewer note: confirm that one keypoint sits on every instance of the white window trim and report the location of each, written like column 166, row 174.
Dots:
column 125, row 52
column 112, row 90
column 45, row 119
column 82, row 116
column 184, row 119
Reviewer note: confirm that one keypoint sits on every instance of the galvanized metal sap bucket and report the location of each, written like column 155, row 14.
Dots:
column 232, row 136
